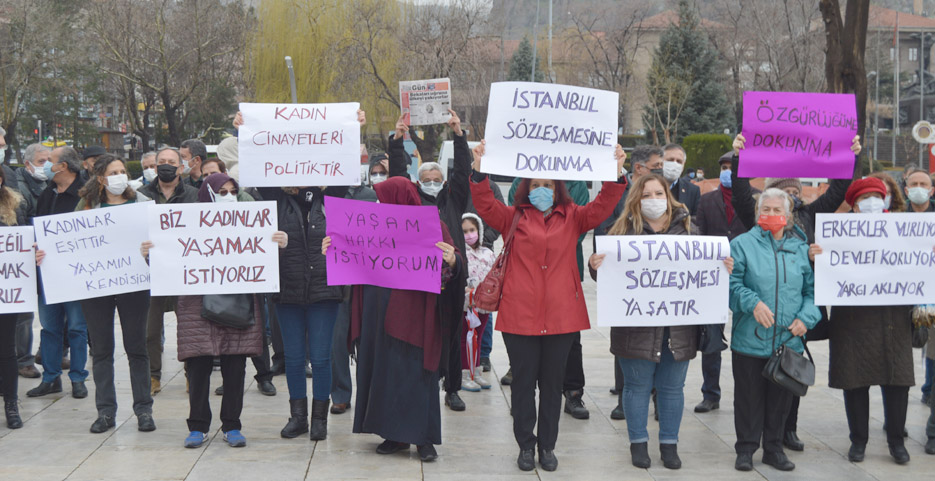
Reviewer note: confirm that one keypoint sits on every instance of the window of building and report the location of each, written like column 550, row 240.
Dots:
column 913, row 54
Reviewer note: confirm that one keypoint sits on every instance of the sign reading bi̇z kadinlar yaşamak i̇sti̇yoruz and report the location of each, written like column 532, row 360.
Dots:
column 298, row 145
column 875, row 259
column 793, row 134
column 550, row 131
column 93, row 253
column 662, row 280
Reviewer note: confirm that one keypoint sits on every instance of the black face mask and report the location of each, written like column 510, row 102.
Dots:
column 796, row 203
column 167, row 173
column 656, row 171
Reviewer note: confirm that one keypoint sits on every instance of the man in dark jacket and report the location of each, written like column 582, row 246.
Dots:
column 451, row 198
column 88, row 157
column 193, row 152
column 745, row 208
column 683, row 190
column 716, row 217
column 167, row 189
column 61, row 196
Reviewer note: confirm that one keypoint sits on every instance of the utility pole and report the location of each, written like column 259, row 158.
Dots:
column 535, row 41
column 551, row 74
column 295, row 98
column 895, row 130
column 921, row 59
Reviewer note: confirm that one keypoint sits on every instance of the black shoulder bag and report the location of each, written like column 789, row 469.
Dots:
column 789, row 369
column 229, row 310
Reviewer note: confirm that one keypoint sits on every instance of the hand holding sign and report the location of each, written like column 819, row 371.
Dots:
column 455, row 123
column 478, row 152
column 401, row 128
column 449, row 253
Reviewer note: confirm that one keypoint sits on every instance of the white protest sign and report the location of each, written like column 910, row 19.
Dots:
column 550, row 131
column 212, row 248
column 662, row 280
column 93, row 253
column 875, row 259
column 18, row 291
column 297, row 145
column 425, row 102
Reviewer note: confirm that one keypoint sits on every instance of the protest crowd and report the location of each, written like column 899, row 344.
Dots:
column 316, row 311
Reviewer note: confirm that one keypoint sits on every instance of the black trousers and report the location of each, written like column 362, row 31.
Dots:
column 895, row 404
column 275, row 332
column 233, row 370
column 574, row 368
column 9, row 369
column 760, row 406
column 537, row 360
column 261, row 363
column 452, row 371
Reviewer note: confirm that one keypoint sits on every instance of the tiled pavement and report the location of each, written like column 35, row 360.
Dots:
column 55, row 443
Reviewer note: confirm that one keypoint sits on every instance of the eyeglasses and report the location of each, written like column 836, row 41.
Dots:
column 226, row 192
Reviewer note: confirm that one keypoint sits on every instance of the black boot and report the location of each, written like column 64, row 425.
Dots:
column 298, row 423
column 574, row 405
column 639, row 455
column 13, row 421
column 319, row 420
column 670, row 456
column 791, row 441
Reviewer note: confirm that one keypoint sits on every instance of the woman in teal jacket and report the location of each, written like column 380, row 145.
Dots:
column 770, row 263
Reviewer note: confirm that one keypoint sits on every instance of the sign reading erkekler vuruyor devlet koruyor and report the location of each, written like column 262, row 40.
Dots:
column 550, row 131
column 298, row 145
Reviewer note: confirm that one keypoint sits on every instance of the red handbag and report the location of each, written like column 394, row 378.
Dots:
column 488, row 292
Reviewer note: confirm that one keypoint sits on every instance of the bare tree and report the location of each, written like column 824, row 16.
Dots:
column 668, row 94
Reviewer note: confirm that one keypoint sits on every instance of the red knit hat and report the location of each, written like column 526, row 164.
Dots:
column 864, row 186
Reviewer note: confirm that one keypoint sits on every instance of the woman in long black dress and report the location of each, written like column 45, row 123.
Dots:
column 399, row 343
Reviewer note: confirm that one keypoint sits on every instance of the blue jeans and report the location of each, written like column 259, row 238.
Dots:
column 54, row 318
column 929, row 374
column 486, row 340
column 308, row 327
column 668, row 376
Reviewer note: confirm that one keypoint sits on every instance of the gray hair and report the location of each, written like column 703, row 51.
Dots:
column 642, row 153
column 430, row 166
column 34, row 149
column 148, row 155
column 774, row 193
column 71, row 159
column 669, row 147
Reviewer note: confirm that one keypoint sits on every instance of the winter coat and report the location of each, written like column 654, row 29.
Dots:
column 687, row 193
column 479, row 261
column 303, row 276
column 542, row 292
column 711, row 218
column 768, row 270
column 198, row 336
column 870, row 346
column 645, row 343
column 490, row 234
column 82, row 204
column 827, row 203
column 452, row 202
column 52, row 202
column 183, row 194
column 30, row 189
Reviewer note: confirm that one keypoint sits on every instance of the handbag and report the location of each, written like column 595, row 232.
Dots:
column 789, row 369
column 711, row 338
column 229, row 310
column 488, row 292
column 920, row 336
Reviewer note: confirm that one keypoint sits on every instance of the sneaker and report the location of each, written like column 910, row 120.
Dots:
column 483, row 383
column 145, row 423
column 574, row 405
column 195, row 439
column 29, row 372
column 485, row 363
column 219, row 391
column 507, row 379
column 155, row 387
column 235, row 439
column 467, row 384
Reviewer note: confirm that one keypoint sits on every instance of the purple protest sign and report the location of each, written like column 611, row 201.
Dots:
column 383, row 245
column 794, row 134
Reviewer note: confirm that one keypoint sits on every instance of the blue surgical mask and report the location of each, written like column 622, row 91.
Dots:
column 725, row 178
column 541, row 198
column 47, row 170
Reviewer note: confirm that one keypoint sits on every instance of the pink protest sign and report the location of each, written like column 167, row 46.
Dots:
column 383, row 245
column 794, row 134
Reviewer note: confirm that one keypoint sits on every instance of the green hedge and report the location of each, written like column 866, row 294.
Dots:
column 134, row 169
column 628, row 141
column 704, row 150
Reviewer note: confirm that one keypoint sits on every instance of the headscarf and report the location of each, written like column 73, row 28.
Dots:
column 214, row 182
column 411, row 316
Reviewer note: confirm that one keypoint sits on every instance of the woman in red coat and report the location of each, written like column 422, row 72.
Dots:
column 542, row 305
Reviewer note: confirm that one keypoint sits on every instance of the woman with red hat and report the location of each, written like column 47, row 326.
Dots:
column 871, row 346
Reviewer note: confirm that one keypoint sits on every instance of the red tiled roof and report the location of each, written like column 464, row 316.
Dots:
column 671, row 17
column 881, row 17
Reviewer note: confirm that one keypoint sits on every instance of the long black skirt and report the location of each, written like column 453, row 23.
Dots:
column 396, row 398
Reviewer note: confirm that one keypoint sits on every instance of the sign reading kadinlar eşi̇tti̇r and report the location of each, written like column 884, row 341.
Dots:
column 210, row 248
column 298, row 145
column 551, row 131
column 93, row 253
column 18, row 289
column 875, row 259
column 662, row 280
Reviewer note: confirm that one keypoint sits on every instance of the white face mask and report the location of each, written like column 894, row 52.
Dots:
column 229, row 197
column 886, row 202
column 149, row 174
column 117, row 184
column 918, row 195
column 871, row 205
column 37, row 172
column 377, row 178
column 431, row 188
column 653, row 208
column 185, row 167
column 672, row 170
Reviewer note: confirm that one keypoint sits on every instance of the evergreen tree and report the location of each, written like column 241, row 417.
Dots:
column 521, row 63
column 685, row 85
